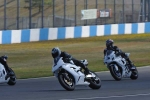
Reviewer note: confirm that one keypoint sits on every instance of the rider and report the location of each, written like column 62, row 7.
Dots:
column 57, row 53
column 3, row 62
column 109, row 46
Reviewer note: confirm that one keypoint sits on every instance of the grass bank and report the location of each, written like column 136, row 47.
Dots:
column 30, row 60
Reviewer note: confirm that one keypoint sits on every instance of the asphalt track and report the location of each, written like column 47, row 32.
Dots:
column 49, row 89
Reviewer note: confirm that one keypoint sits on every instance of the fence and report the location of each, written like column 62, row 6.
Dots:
column 29, row 14
column 44, row 34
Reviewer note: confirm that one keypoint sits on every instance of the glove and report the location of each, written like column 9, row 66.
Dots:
column 118, row 54
column 116, row 48
column 66, row 60
column 85, row 62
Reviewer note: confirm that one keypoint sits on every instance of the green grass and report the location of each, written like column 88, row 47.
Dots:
column 30, row 60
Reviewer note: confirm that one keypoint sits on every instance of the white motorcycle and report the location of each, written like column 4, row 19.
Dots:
column 119, row 67
column 11, row 80
column 70, row 75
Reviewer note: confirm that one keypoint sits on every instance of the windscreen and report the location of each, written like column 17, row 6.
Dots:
column 109, row 52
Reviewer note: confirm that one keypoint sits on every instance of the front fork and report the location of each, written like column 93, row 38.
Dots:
column 116, row 67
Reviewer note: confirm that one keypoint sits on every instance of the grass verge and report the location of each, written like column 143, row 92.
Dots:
column 31, row 60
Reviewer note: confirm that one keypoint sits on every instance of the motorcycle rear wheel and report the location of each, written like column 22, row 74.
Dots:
column 95, row 82
column 12, row 80
column 134, row 74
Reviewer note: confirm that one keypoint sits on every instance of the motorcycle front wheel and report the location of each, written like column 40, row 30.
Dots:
column 67, row 81
column 116, row 74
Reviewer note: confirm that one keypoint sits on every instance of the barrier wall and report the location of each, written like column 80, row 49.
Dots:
column 29, row 35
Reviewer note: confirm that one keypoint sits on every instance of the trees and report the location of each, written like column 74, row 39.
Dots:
column 38, row 3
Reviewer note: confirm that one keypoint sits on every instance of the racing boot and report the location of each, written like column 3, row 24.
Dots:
column 131, row 65
column 9, row 73
column 87, row 73
column 7, row 76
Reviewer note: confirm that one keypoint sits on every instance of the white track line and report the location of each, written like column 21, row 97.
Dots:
column 108, row 97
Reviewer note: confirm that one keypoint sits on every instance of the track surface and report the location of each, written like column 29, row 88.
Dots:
column 50, row 89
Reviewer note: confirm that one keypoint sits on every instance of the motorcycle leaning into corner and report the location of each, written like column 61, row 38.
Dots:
column 69, row 75
column 11, row 79
column 119, row 67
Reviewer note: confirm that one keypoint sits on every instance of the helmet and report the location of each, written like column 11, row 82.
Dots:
column 4, row 57
column 56, row 52
column 109, row 43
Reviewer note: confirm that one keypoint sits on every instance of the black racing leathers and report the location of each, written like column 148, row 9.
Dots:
column 3, row 62
column 118, row 52
column 67, row 57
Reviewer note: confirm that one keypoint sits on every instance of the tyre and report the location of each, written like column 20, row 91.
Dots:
column 12, row 80
column 67, row 81
column 95, row 82
column 134, row 74
column 116, row 74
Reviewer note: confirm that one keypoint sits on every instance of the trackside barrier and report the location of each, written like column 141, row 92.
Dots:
column 29, row 35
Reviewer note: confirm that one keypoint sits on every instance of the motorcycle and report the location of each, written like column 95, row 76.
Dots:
column 119, row 67
column 69, row 75
column 11, row 80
